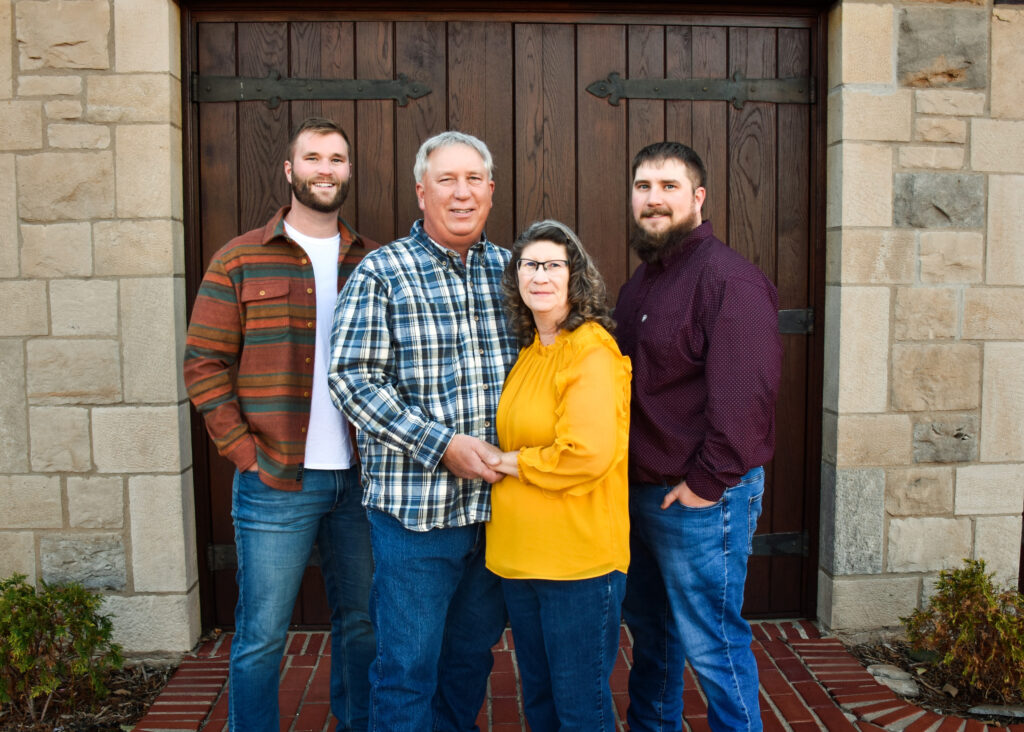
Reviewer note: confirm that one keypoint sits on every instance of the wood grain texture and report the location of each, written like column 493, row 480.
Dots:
column 377, row 178
column 710, row 131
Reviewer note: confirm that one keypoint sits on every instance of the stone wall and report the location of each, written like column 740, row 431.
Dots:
column 924, row 341
column 95, row 484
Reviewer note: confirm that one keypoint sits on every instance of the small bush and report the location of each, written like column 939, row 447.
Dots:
column 52, row 641
column 976, row 630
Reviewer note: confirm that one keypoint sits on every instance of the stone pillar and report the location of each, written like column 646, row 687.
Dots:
column 95, row 479
column 924, row 338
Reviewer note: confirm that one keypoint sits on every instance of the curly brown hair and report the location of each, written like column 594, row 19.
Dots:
column 588, row 296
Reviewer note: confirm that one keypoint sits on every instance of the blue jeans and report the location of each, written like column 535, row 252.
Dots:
column 437, row 612
column 274, row 536
column 683, row 600
column 567, row 637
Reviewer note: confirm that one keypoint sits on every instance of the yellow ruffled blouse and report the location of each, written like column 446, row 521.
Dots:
column 565, row 407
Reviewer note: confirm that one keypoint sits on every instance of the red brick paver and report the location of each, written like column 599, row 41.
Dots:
column 807, row 683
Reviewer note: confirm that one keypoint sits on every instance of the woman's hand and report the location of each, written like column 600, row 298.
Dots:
column 509, row 464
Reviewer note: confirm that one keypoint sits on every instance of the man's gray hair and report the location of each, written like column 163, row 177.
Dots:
column 444, row 139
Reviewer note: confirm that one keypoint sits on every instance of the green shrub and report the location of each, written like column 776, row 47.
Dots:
column 976, row 630
column 52, row 641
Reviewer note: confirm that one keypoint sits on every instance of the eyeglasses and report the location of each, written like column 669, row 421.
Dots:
column 530, row 266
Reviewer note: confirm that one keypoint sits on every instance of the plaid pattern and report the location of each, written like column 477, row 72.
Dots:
column 256, row 310
column 419, row 352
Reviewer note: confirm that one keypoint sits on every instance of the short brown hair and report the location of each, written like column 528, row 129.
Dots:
column 318, row 126
column 660, row 151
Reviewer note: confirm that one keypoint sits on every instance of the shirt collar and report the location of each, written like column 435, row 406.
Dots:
column 275, row 228
column 685, row 248
column 440, row 252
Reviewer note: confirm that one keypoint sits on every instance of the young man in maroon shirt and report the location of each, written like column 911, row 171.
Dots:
column 700, row 324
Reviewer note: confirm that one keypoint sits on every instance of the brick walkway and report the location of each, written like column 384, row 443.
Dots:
column 807, row 683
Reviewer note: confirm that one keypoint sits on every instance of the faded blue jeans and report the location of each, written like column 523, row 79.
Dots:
column 683, row 600
column 274, row 535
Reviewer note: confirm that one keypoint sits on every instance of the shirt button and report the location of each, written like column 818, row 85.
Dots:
column 263, row 292
column 309, row 290
column 310, row 324
column 305, row 261
column 308, row 359
column 487, row 424
column 303, row 430
column 485, row 387
column 305, row 393
column 481, row 352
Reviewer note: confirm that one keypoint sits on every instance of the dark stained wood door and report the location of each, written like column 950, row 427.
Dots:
column 518, row 81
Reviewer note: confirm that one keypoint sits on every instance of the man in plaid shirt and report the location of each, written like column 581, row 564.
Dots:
column 420, row 349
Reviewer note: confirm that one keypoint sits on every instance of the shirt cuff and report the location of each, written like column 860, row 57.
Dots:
column 704, row 484
column 433, row 445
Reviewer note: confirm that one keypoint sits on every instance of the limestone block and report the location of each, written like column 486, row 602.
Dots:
column 18, row 554
column 30, row 502
column 870, row 115
column 96, row 503
column 945, row 376
column 22, row 127
column 877, row 256
column 863, row 353
column 138, row 247
column 990, row 489
column 994, row 313
column 83, row 307
column 866, row 604
column 74, row 370
column 940, row 200
column 925, row 313
column 940, row 129
column 24, row 308
column 63, row 109
column 163, row 533
column 947, row 439
column 147, row 36
column 60, row 439
column 866, row 45
column 950, row 101
column 874, row 439
column 6, row 70
column 155, row 623
column 152, row 189
column 852, row 513
column 140, row 439
column 829, row 437
column 918, row 491
column 13, row 408
column 932, row 157
column 859, row 185
column 1002, row 438
column 1005, row 263
column 997, row 145
column 63, row 34
column 833, row 333
column 152, row 334
column 92, row 137
column 833, row 257
column 56, row 250
column 49, row 86
column 1007, row 62
column 943, row 47
column 928, row 544
column 66, row 185
column 952, row 256
column 134, row 98
column 8, row 217
column 997, row 541
column 96, row 561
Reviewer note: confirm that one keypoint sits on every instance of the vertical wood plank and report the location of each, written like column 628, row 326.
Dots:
column 376, row 178
column 337, row 61
column 419, row 54
column 262, row 132
column 601, row 159
column 480, row 103
column 710, row 130
column 679, row 65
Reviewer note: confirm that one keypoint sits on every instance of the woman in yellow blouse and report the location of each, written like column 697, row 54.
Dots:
column 559, row 529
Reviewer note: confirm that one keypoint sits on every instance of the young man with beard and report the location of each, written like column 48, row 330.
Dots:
column 256, row 369
column 700, row 324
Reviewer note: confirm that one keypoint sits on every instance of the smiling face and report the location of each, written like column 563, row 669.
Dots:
column 319, row 171
column 455, row 196
column 545, row 293
column 664, row 199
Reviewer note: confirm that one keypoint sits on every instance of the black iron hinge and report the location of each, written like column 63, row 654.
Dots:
column 273, row 89
column 738, row 90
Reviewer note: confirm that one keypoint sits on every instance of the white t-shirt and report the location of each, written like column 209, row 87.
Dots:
column 328, row 445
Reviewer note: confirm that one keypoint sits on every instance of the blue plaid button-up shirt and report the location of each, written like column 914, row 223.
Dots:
column 419, row 352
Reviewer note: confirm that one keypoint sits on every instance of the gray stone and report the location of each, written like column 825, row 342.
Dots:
column 97, row 562
column 903, row 687
column 888, row 671
column 947, row 441
column 998, row 710
column 852, row 513
column 943, row 47
column 13, row 412
column 939, row 200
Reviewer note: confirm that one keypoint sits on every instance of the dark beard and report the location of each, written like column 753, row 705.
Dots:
column 305, row 196
column 653, row 248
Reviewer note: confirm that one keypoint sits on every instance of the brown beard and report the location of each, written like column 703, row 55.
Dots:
column 305, row 196
column 653, row 248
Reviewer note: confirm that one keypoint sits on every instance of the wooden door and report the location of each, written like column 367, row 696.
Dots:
column 519, row 82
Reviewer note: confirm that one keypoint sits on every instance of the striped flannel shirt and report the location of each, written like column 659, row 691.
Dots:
column 419, row 352
column 256, row 313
